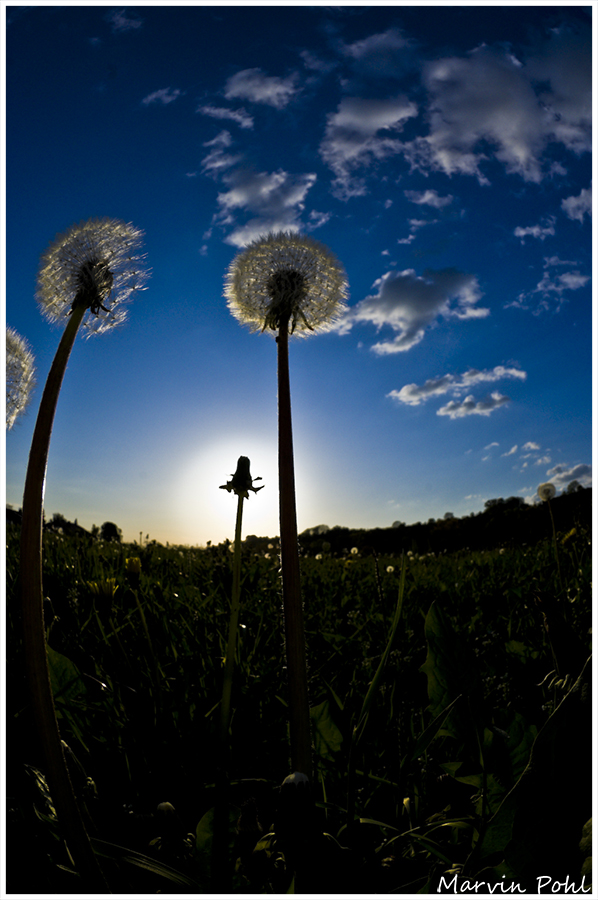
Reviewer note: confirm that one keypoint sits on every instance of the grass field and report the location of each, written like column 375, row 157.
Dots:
column 420, row 746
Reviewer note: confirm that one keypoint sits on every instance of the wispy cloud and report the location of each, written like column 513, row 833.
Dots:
column 560, row 475
column 275, row 200
column 577, row 206
column 414, row 394
column 352, row 139
column 316, row 63
column 240, row 116
column 164, row 96
column 383, row 55
column 218, row 159
column 550, row 291
column 121, row 23
column 489, row 103
column 414, row 226
column 510, row 452
column 429, row 198
column 536, row 231
column 409, row 304
column 255, row 86
column 469, row 407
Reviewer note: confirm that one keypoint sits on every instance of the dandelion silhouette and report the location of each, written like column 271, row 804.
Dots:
column 93, row 268
column 288, row 284
column 240, row 484
column 20, row 376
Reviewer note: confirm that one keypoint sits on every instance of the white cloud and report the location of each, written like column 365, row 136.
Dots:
column 276, row 200
column 531, row 445
column 164, row 96
column 536, row 231
column 240, row 116
column 490, row 104
column 316, row 219
column 429, row 198
column 414, row 226
column 551, row 287
column 352, row 140
column 560, row 475
column 218, row 159
column 316, row 63
column 489, row 447
column 511, row 451
column 121, row 23
column 468, row 407
column 379, row 55
column 555, row 261
column 413, row 394
column 577, row 206
column 254, row 85
column 410, row 303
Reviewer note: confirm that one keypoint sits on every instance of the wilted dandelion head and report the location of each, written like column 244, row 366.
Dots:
column 242, row 482
column 96, row 264
column 546, row 491
column 286, row 278
column 20, row 376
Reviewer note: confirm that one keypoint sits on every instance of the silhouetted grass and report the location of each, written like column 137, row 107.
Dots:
column 487, row 659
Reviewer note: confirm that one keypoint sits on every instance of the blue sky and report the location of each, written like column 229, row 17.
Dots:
column 443, row 154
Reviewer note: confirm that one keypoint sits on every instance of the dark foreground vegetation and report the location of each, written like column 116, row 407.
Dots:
column 472, row 756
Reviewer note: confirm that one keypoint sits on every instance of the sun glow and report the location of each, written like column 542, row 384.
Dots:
column 202, row 509
column 202, row 512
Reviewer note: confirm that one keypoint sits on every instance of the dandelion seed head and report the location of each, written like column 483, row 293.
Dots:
column 97, row 264
column 286, row 277
column 546, row 491
column 20, row 376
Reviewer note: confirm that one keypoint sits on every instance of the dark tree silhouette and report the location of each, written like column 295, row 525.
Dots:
column 111, row 532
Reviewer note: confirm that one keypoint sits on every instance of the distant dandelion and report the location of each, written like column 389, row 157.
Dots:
column 286, row 277
column 20, row 376
column 95, row 265
column 390, row 569
column 546, row 491
column 354, row 551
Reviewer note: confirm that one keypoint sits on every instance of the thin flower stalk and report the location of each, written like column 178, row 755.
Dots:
column 288, row 284
column 240, row 484
column 76, row 280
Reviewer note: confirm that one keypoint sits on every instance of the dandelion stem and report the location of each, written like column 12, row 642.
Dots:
column 232, row 632
column 291, row 583
column 554, row 544
column 220, row 875
column 34, row 632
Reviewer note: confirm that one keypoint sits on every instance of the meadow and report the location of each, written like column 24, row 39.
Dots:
column 449, row 698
